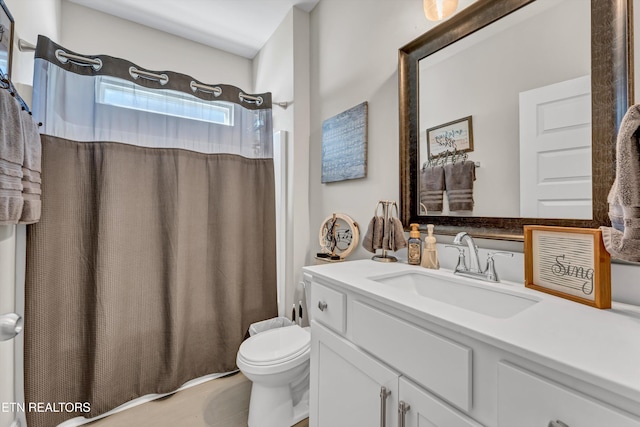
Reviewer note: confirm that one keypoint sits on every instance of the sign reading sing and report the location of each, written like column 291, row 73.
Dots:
column 568, row 262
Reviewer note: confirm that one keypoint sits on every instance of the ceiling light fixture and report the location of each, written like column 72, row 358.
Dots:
column 437, row 10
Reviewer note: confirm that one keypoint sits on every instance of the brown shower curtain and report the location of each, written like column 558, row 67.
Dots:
column 156, row 246
column 145, row 271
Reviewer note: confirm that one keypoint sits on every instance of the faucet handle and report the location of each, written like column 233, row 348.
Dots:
column 490, row 255
column 490, row 271
column 462, row 262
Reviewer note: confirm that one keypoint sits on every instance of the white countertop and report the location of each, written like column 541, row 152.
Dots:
column 601, row 347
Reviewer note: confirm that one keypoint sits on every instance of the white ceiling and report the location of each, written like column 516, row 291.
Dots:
column 241, row 27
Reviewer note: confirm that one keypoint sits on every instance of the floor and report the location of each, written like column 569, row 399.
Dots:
column 218, row 403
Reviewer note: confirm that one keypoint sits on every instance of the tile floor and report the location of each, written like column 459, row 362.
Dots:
column 223, row 402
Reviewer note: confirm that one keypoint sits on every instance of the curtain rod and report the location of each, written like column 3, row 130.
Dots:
column 25, row 46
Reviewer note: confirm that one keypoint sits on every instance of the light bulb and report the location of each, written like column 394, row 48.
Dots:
column 437, row 10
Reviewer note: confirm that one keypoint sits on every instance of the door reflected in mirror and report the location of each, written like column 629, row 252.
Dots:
column 525, row 82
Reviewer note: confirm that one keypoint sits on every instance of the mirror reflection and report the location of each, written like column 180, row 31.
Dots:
column 505, row 118
column 6, row 39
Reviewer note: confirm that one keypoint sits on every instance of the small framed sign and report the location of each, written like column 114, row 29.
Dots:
column 571, row 263
column 455, row 136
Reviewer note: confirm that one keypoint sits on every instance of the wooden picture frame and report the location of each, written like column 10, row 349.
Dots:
column 6, row 40
column 447, row 138
column 568, row 262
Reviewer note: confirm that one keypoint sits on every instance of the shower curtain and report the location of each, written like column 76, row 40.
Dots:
column 156, row 246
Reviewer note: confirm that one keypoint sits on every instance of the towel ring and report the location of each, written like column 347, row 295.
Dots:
column 395, row 205
column 375, row 212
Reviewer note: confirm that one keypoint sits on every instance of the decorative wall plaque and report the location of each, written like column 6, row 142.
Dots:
column 344, row 145
column 571, row 263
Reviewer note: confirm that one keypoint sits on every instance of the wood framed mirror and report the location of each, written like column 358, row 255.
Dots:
column 609, row 68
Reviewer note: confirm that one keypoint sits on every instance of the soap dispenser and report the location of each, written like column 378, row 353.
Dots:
column 415, row 245
column 430, row 253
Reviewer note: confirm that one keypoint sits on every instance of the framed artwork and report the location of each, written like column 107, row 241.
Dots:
column 6, row 39
column 344, row 145
column 455, row 136
column 568, row 262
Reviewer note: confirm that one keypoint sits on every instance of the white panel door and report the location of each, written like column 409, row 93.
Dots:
column 526, row 399
column 422, row 409
column 7, row 305
column 12, row 264
column 555, row 150
column 346, row 384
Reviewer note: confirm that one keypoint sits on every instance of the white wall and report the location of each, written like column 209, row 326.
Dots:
column 282, row 67
column 88, row 31
column 32, row 17
column 354, row 57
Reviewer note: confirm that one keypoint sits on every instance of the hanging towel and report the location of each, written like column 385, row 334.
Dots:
column 367, row 242
column 378, row 232
column 11, row 159
column 31, row 168
column 432, row 188
column 622, row 240
column 387, row 235
column 374, row 236
column 399, row 241
column 459, row 179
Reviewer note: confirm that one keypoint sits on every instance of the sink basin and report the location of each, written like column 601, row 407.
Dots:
column 460, row 293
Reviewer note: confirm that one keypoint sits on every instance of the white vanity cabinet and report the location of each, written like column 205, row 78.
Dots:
column 351, row 388
column 529, row 400
column 384, row 360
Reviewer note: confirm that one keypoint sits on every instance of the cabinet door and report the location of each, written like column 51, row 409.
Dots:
column 346, row 384
column 425, row 410
column 526, row 399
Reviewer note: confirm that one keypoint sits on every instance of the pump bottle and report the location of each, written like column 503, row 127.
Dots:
column 415, row 245
column 430, row 253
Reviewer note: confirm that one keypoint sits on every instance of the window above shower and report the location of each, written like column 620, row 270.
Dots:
column 124, row 94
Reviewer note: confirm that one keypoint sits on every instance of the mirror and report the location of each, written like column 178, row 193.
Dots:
column 436, row 113
column 6, row 39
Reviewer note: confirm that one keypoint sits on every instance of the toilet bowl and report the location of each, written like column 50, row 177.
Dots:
column 277, row 363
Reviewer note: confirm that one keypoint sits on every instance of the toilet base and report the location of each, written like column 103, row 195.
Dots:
column 273, row 407
column 301, row 410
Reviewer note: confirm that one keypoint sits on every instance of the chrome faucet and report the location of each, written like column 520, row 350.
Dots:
column 473, row 250
column 489, row 273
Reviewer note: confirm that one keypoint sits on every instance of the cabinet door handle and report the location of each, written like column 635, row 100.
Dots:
column 322, row 305
column 384, row 393
column 557, row 423
column 403, row 407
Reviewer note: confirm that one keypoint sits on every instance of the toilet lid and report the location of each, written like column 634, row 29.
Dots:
column 275, row 345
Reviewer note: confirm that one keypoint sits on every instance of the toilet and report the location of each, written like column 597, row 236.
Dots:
column 276, row 361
